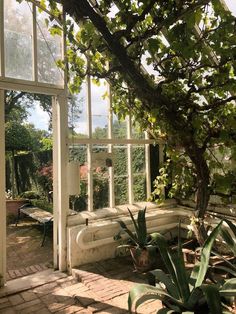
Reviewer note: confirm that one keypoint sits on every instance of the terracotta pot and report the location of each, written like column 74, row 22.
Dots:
column 13, row 205
column 144, row 259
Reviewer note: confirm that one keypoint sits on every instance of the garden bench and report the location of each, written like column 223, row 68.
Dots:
column 40, row 215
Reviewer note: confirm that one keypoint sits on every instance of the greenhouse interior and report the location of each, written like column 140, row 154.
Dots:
column 118, row 156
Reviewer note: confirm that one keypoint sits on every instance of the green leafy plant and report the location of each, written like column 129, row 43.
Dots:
column 140, row 237
column 142, row 245
column 181, row 293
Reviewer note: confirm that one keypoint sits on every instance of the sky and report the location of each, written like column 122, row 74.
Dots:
column 231, row 5
column 38, row 117
column 99, row 110
column 41, row 119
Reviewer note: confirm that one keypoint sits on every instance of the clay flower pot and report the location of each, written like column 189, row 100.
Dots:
column 144, row 259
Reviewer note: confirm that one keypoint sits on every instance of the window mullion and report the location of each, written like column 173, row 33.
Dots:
column 35, row 45
column 147, row 167
column 110, row 136
column 89, row 146
column 130, row 171
column 2, row 51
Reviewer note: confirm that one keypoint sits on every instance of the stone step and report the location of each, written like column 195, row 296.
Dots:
column 25, row 283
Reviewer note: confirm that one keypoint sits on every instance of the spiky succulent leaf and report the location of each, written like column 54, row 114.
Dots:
column 229, row 240
column 134, row 222
column 227, row 270
column 231, row 225
column 212, row 295
column 164, row 278
column 142, row 293
column 142, row 227
column 175, row 268
column 165, row 311
column 130, row 233
column 228, row 289
column 198, row 274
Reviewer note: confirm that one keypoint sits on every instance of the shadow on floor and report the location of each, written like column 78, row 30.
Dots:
column 25, row 255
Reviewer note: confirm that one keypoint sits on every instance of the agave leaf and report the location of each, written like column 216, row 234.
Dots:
column 162, row 277
column 181, row 276
column 165, row 311
column 229, row 284
column 199, row 276
column 153, row 238
column 231, row 225
column 130, row 233
column 180, row 269
column 195, row 296
column 228, row 291
column 141, row 293
column 229, row 240
column 167, row 259
column 212, row 295
column 231, row 265
column 193, row 276
column 226, row 269
column 174, row 267
column 142, row 235
column 134, row 222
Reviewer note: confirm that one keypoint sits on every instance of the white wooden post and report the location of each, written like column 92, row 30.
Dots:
column 89, row 146
column 60, row 194
column 2, row 55
column 130, row 170
column 35, row 45
column 2, row 193
column 110, row 136
column 161, row 162
column 148, row 167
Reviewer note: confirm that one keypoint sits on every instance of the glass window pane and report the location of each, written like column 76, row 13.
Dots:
column 120, row 174
column 99, row 109
column 80, row 202
column 137, row 133
column 100, row 178
column 119, row 128
column 77, row 115
column 18, row 40
column 139, row 188
column 49, row 52
column 120, row 160
column 121, row 190
column 78, row 152
column 138, row 158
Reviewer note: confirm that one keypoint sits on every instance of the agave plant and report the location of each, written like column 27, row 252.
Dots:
column 181, row 292
column 230, row 240
column 141, row 244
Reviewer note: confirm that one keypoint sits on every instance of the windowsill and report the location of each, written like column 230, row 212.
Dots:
column 121, row 210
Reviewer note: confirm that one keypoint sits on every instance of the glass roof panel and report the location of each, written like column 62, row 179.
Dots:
column 18, row 24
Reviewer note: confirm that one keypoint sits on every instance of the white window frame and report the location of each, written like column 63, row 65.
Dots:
column 109, row 142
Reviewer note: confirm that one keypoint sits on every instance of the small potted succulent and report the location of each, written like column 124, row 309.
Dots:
column 141, row 244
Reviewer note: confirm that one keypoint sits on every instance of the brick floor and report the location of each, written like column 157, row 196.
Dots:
column 17, row 273
column 98, row 288
column 25, row 255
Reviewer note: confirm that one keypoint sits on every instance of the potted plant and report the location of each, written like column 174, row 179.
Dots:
column 184, row 293
column 141, row 244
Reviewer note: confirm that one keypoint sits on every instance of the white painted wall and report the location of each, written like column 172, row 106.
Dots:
column 103, row 229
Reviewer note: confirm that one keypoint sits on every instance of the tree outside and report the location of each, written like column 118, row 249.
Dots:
column 173, row 67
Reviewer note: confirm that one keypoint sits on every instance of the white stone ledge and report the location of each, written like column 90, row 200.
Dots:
column 117, row 212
